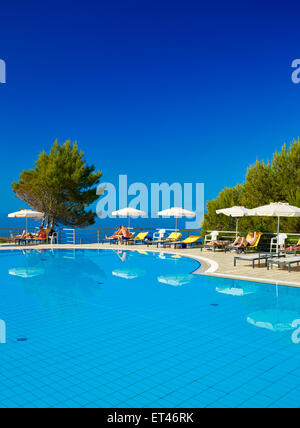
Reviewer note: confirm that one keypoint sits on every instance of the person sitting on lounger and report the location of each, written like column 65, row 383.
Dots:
column 126, row 233
column 121, row 233
column 245, row 242
column 23, row 236
column 218, row 243
column 41, row 234
column 115, row 236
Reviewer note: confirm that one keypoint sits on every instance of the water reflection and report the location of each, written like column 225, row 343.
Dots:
column 26, row 272
column 277, row 320
column 128, row 273
column 162, row 256
column 169, row 257
column 61, row 280
column 269, row 307
column 237, row 290
column 122, row 255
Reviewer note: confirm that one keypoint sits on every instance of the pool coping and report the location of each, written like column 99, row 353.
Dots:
column 208, row 266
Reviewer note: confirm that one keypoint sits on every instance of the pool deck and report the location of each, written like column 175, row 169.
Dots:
column 216, row 264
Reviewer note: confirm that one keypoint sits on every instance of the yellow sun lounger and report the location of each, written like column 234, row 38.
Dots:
column 253, row 246
column 190, row 240
column 139, row 238
column 173, row 237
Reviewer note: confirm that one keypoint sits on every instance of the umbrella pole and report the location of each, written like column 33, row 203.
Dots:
column 278, row 231
column 129, row 222
column 237, row 227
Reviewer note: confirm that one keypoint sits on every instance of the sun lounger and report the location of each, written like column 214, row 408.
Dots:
column 40, row 240
column 173, row 237
column 159, row 235
column 190, row 241
column 116, row 240
column 16, row 240
column 217, row 246
column 212, row 236
column 291, row 251
column 33, row 240
column 288, row 261
column 140, row 238
column 254, row 258
column 250, row 247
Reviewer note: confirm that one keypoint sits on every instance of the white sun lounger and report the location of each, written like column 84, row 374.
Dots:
column 254, row 258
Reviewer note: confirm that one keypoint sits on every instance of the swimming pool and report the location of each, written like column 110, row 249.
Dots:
column 127, row 329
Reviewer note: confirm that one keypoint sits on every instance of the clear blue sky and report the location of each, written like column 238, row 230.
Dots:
column 159, row 90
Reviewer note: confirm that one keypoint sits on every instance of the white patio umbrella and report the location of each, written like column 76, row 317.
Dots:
column 276, row 209
column 235, row 211
column 177, row 213
column 27, row 214
column 129, row 212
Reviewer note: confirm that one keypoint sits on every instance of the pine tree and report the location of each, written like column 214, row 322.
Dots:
column 274, row 181
column 227, row 198
column 61, row 185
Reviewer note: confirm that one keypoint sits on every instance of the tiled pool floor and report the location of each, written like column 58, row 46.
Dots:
column 91, row 338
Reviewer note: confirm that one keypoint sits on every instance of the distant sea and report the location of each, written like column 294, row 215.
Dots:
column 144, row 223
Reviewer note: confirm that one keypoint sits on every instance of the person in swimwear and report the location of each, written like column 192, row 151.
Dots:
column 291, row 248
column 115, row 235
column 245, row 242
column 218, row 243
column 121, row 233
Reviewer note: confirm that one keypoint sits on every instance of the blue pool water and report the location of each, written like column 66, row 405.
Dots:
column 108, row 329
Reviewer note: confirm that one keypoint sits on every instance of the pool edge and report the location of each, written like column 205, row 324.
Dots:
column 208, row 266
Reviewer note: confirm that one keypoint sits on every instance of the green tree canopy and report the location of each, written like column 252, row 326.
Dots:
column 274, row 181
column 61, row 185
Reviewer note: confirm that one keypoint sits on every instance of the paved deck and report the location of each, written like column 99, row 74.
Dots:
column 213, row 264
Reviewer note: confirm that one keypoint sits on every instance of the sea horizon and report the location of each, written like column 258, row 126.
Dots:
column 109, row 223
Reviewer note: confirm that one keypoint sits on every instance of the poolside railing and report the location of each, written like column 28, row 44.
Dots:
column 84, row 236
column 266, row 243
column 96, row 236
column 6, row 233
